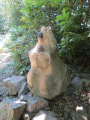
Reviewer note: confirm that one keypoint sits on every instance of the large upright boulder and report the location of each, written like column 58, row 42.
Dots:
column 48, row 76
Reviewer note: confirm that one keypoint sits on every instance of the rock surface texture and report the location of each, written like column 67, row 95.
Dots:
column 48, row 76
column 14, row 84
column 36, row 103
column 11, row 109
column 24, row 90
column 45, row 115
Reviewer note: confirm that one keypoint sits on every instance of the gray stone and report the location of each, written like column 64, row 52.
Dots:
column 14, row 84
column 25, row 97
column 36, row 103
column 87, row 76
column 11, row 109
column 76, row 82
column 77, row 85
column 48, row 76
column 24, row 89
column 3, row 92
column 45, row 115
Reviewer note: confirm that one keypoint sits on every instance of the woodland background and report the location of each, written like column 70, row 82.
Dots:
column 70, row 22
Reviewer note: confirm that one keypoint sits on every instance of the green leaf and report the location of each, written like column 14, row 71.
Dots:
column 67, row 15
column 27, row 68
column 63, row 28
column 59, row 17
column 64, row 12
column 62, row 23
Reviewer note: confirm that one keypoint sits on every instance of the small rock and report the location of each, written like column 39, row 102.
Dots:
column 2, row 88
column 76, row 82
column 24, row 89
column 14, row 84
column 45, row 115
column 11, row 109
column 36, row 103
column 25, row 97
column 87, row 76
column 3, row 92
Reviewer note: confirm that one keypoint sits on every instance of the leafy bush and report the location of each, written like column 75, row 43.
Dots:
column 69, row 20
column 74, row 28
column 38, row 13
column 20, row 55
column 2, row 23
column 19, row 45
column 16, row 32
column 74, row 45
column 11, row 12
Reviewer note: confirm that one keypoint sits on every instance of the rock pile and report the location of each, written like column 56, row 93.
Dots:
column 19, row 101
column 67, row 106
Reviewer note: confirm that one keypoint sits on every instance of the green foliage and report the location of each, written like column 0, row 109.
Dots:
column 11, row 12
column 2, row 21
column 19, row 45
column 69, row 21
column 16, row 32
column 74, row 29
column 39, row 13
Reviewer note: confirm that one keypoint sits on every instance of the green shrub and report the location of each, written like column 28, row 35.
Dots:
column 74, row 30
column 20, row 55
column 16, row 32
column 2, row 24
column 19, row 45
column 38, row 13
column 69, row 21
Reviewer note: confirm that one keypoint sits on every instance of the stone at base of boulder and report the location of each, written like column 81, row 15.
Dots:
column 45, row 115
column 24, row 89
column 11, row 109
column 25, row 97
column 36, row 103
column 14, row 84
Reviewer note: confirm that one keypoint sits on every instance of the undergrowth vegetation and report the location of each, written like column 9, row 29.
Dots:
column 70, row 22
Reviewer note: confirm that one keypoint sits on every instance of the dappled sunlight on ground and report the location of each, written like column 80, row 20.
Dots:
column 6, row 65
column 6, row 60
column 3, row 39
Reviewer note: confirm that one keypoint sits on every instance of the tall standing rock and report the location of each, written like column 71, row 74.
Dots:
column 48, row 76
